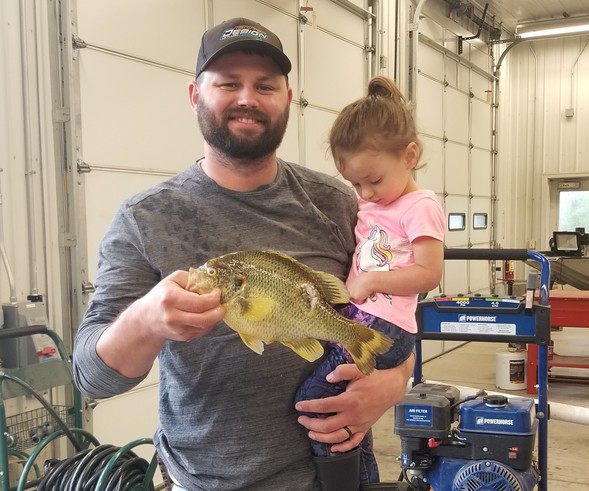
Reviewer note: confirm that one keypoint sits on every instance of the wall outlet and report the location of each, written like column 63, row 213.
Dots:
column 531, row 244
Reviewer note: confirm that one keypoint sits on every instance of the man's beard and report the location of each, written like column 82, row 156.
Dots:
column 218, row 136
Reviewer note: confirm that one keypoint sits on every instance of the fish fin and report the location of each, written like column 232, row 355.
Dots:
column 366, row 346
column 257, row 308
column 309, row 349
column 333, row 289
column 253, row 343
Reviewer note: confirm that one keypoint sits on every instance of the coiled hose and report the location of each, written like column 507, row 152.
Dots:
column 83, row 471
column 101, row 468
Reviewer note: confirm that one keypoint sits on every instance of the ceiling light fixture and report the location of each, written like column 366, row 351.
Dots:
column 570, row 25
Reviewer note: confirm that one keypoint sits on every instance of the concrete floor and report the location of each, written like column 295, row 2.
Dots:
column 473, row 365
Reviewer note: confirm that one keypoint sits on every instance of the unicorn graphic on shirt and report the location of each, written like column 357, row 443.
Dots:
column 374, row 254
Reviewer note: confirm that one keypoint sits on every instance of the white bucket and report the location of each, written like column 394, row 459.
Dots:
column 510, row 370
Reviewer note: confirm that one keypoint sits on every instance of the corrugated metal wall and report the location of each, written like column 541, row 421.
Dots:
column 537, row 141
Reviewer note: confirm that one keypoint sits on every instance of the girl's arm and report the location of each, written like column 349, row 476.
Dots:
column 423, row 276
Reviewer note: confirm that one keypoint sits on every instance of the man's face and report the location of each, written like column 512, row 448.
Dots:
column 242, row 103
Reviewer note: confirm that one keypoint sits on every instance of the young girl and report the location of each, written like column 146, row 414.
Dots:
column 399, row 234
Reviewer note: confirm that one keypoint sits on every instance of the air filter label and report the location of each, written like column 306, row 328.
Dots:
column 418, row 415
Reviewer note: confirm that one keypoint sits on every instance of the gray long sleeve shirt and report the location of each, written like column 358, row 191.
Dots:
column 227, row 418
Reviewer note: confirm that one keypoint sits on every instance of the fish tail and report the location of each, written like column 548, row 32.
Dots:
column 366, row 346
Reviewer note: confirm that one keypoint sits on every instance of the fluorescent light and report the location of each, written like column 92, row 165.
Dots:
column 570, row 25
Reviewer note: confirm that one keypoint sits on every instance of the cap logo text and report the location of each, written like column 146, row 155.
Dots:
column 244, row 31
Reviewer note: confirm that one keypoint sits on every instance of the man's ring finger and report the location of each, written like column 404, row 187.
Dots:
column 348, row 431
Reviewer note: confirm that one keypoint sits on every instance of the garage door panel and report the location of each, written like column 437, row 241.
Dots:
column 451, row 71
column 456, row 175
column 155, row 32
column 127, row 121
column 431, row 29
column 431, row 175
column 429, row 110
column 479, row 56
column 481, row 173
column 456, row 115
column 455, row 277
column 464, row 78
column 456, row 205
column 348, row 69
column 330, row 17
column 479, row 275
column 431, row 62
column 318, row 156
column 480, row 86
column 481, row 124
column 480, row 235
column 289, row 148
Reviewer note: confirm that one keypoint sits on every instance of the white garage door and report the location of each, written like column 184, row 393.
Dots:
column 454, row 117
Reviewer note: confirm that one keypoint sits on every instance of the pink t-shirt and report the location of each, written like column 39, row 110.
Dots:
column 384, row 236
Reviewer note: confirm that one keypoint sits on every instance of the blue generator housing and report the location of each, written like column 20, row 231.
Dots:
column 485, row 443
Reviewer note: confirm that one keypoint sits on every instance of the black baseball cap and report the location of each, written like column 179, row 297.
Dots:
column 240, row 34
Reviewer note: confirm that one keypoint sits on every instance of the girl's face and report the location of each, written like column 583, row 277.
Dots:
column 380, row 177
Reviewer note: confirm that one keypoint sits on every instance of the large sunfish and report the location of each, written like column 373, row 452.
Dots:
column 271, row 297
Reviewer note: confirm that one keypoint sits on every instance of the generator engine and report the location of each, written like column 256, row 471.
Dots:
column 483, row 442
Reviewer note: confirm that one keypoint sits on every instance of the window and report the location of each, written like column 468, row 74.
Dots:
column 456, row 221
column 479, row 221
column 573, row 210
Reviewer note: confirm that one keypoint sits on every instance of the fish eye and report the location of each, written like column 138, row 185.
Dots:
column 211, row 271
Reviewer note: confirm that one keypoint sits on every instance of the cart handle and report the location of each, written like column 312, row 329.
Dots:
column 488, row 254
column 508, row 254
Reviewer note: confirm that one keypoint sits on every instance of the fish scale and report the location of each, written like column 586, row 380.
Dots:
column 271, row 297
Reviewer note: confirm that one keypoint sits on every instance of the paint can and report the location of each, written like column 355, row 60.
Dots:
column 510, row 369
